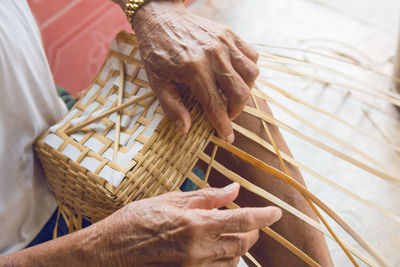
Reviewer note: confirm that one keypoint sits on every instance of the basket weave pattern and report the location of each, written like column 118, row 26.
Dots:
column 80, row 168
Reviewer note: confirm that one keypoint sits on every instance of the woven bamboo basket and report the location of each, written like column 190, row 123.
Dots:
column 116, row 146
column 92, row 177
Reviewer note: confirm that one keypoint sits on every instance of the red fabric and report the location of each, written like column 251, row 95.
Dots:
column 76, row 36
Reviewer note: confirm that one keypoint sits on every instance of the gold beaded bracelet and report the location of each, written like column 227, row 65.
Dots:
column 132, row 6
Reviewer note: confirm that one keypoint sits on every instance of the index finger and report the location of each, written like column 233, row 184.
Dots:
column 242, row 220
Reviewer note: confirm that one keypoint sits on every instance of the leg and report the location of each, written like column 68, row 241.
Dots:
column 267, row 251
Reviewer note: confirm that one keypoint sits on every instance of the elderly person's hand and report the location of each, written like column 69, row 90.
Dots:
column 180, row 47
column 181, row 229
column 172, row 229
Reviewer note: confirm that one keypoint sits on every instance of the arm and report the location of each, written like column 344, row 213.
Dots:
column 175, row 228
column 178, row 47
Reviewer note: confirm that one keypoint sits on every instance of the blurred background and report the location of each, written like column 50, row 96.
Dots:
column 77, row 33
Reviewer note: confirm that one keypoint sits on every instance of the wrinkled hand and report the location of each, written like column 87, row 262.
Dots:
column 180, row 47
column 182, row 229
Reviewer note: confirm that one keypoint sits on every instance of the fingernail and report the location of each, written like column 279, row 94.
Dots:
column 230, row 187
column 230, row 138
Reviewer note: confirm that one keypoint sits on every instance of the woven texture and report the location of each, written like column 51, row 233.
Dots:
column 80, row 166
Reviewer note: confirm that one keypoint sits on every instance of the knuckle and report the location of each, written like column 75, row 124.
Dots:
column 256, row 55
column 244, row 95
column 241, row 95
column 225, row 29
column 194, row 64
column 212, row 108
column 214, row 49
column 244, row 220
column 190, row 225
column 206, row 194
column 254, row 72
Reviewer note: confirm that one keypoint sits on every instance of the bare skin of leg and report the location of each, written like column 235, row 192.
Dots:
column 396, row 72
column 267, row 251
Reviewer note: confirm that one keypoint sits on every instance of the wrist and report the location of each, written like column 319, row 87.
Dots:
column 77, row 249
column 153, row 9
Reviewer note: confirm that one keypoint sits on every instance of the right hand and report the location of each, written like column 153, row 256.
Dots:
column 178, row 47
column 181, row 229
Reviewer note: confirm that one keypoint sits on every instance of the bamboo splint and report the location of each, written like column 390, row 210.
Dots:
column 264, row 116
column 109, row 112
column 321, row 178
column 119, row 103
column 260, row 164
column 264, row 194
column 276, row 150
column 262, row 95
column 386, row 96
column 336, row 58
column 116, row 146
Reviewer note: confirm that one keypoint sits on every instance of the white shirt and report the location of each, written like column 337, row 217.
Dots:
column 29, row 105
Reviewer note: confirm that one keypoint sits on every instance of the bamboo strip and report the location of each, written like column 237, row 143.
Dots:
column 265, row 116
column 109, row 112
column 323, row 41
column 276, row 150
column 284, row 60
column 268, row 196
column 279, row 59
column 321, row 178
column 262, row 95
column 324, row 133
column 295, row 250
column 337, row 239
column 252, row 259
column 388, row 96
column 210, row 165
column 261, row 192
column 261, row 165
column 120, row 97
column 378, row 129
column 358, row 64
column 392, row 115
column 289, row 59
column 55, row 230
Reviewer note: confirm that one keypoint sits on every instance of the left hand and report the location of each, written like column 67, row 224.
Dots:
column 180, row 229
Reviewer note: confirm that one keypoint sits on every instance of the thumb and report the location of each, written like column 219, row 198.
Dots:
column 171, row 101
column 211, row 198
